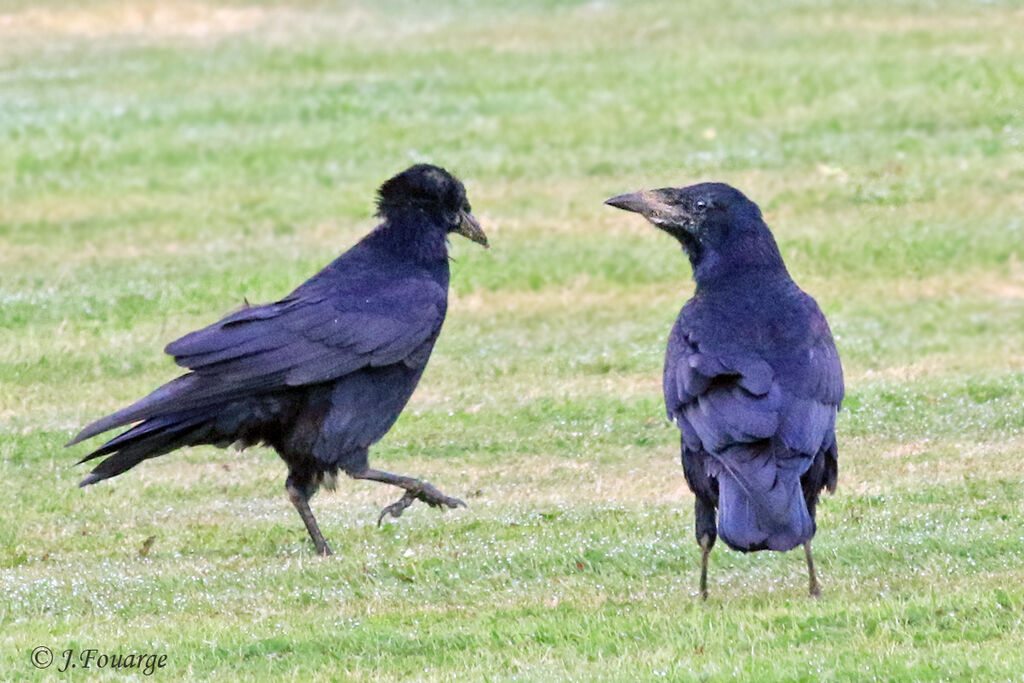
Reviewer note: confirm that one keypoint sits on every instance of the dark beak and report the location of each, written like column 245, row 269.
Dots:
column 469, row 227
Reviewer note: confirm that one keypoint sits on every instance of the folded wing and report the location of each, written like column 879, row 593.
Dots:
column 762, row 416
column 324, row 330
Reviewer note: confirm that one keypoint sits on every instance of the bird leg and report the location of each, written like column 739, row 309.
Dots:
column 815, row 587
column 300, row 500
column 705, row 551
column 415, row 489
column 704, row 521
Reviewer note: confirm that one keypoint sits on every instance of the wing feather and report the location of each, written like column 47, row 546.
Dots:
column 723, row 397
column 310, row 338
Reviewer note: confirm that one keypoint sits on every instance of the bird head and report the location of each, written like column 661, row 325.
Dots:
column 717, row 225
column 701, row 212
column 429, row 190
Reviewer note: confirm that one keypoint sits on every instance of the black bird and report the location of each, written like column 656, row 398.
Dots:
column 752, row 377
column 323, row 373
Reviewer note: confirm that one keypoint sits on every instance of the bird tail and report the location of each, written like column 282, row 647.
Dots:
column 148, row 439
column 761, row 504
column 160, row 401
column 168, row 418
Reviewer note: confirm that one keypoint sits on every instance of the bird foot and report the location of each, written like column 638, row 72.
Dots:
column 423, row 491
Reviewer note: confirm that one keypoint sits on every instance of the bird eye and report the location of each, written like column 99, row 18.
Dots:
column 701, row 205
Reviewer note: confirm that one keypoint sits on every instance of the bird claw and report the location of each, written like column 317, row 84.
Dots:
column 397, row 508
column 425, row 492
column 435, row 499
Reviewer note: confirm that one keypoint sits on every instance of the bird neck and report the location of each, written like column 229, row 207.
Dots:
column 744, row 256
column 411, row 236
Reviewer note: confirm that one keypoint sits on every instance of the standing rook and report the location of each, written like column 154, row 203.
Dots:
column 752, row 377
column 323, row 373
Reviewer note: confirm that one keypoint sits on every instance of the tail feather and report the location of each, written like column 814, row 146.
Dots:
column 776, row 519
column 162, row 426
column 181, row 413
column 150, row 406
column 761, row 504
column 147, row 440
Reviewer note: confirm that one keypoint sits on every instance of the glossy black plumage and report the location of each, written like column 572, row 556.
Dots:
column 323, row 373
column 752, row 377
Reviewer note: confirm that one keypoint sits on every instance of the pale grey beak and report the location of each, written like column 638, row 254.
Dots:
column 652, row 205
column 633, row 201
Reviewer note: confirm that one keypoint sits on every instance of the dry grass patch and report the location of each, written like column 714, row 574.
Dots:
column 940, row 364
column 577, row 296
column 869, row 466
column 995, row 19
column 157, row 20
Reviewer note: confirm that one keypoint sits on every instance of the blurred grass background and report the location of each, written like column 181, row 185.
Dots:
column 161, row 161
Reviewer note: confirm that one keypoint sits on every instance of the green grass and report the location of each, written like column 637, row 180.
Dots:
column 159, row 162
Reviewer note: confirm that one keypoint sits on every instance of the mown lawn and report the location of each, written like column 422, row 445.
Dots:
column 162, row 161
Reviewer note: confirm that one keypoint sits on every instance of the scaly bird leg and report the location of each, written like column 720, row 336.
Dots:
column 704, row 523
column 705, row 551
column 415, row 489
column 301, row 502
column 815, row 587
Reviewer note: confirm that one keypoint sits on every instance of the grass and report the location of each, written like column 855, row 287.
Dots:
column 162, row 161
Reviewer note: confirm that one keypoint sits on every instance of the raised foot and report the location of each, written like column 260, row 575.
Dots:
column 423, row 491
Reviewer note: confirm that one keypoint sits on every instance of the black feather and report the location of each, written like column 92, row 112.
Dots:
column 321, row 374
column 752, row 377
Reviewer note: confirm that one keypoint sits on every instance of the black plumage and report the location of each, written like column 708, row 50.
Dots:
column 752, row 377
column 323, row 373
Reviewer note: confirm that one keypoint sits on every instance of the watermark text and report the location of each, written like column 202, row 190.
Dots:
column 91, row 658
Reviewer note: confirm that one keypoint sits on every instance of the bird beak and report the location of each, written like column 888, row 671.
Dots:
column 469, row 227
column 647, row 203
column 650, row 204
column 634, row 201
